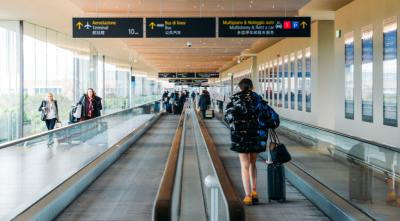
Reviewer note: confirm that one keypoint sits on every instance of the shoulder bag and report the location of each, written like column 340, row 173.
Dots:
column 278, row 151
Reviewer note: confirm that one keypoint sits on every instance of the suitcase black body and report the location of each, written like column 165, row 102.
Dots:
column 276, row 182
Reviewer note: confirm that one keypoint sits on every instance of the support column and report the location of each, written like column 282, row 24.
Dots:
column 254, row 74
column 20, row 132
column 231, row 84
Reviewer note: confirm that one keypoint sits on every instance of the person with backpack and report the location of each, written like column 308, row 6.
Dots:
column 248, row 122
column 90, row 105
column 204, row 102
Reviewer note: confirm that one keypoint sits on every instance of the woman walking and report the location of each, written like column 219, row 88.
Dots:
column 91, row 105
column 49, row 109
column 247, row 138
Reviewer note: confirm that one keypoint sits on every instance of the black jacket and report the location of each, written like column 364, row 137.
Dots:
column 204, row 101
column 165, row 97
column 242, row 116
column 97, row 106
column 44, row 104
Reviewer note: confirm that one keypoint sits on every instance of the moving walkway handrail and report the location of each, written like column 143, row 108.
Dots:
column 362, row 140
column 163, row 201
column 235, row 206
column 27, row 138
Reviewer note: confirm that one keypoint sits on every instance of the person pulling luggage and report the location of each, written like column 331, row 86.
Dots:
column 242, row 116
column 90, row 105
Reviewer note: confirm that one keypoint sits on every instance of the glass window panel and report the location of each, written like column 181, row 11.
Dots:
column 286, row 82
column 349, row 76
column 271, row 84
column 9, row 80
column 280, row 83
column 276, row 83
column 300, row 81
column 308, row 80
column 390, row 74
column 292, row 82
column 367, row 75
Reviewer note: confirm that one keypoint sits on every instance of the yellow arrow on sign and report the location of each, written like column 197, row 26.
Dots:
column 152, row 25
column 79, row 25
column 303, row 24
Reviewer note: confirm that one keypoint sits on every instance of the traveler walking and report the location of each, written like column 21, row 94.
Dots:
column 49, row 114
column 248, row 139
column 165, row 99
column 204, row 102
column 91, row 105
column 49, row 109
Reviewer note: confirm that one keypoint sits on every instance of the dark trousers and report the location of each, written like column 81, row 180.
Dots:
column 50, row 124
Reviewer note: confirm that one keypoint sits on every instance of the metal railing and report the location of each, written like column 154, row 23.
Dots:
column 56, row 130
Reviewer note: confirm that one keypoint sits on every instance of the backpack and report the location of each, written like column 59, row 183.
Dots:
column 267, row 117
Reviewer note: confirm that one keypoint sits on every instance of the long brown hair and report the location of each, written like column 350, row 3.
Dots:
column 91, row 89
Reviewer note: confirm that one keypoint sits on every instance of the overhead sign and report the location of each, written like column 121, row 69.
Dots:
column 207, row 75
column 242, row 27
column 185, row 75
column 188, row 75
column 188, row 81
column 167, row 75
column 107, row 27
column 180, row 28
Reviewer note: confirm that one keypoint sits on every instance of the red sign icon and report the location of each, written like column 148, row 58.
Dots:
column 287, row 25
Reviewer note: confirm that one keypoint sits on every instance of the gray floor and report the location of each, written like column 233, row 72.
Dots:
column 297, row 206
column 126, row 191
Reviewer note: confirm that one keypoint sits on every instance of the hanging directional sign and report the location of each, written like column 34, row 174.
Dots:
column 180, row 27
column 207, row 75
column 188, row 75
column 239, row 27
column 167, row 75
column 107, row 27
column 188, row 81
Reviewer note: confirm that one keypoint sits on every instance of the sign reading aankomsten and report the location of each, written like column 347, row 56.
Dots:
column 180, row 28
column 107, row 27
column 258, row 27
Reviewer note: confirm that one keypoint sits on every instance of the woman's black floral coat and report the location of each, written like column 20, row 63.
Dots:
column 242, row 115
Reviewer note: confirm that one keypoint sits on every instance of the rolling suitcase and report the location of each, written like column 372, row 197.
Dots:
column 276, row 182
column 209, row 114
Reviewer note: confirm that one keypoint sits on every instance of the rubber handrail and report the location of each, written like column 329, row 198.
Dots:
column 235, row 207
column 363, row 140
column 163, row 201
column 24, row 139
